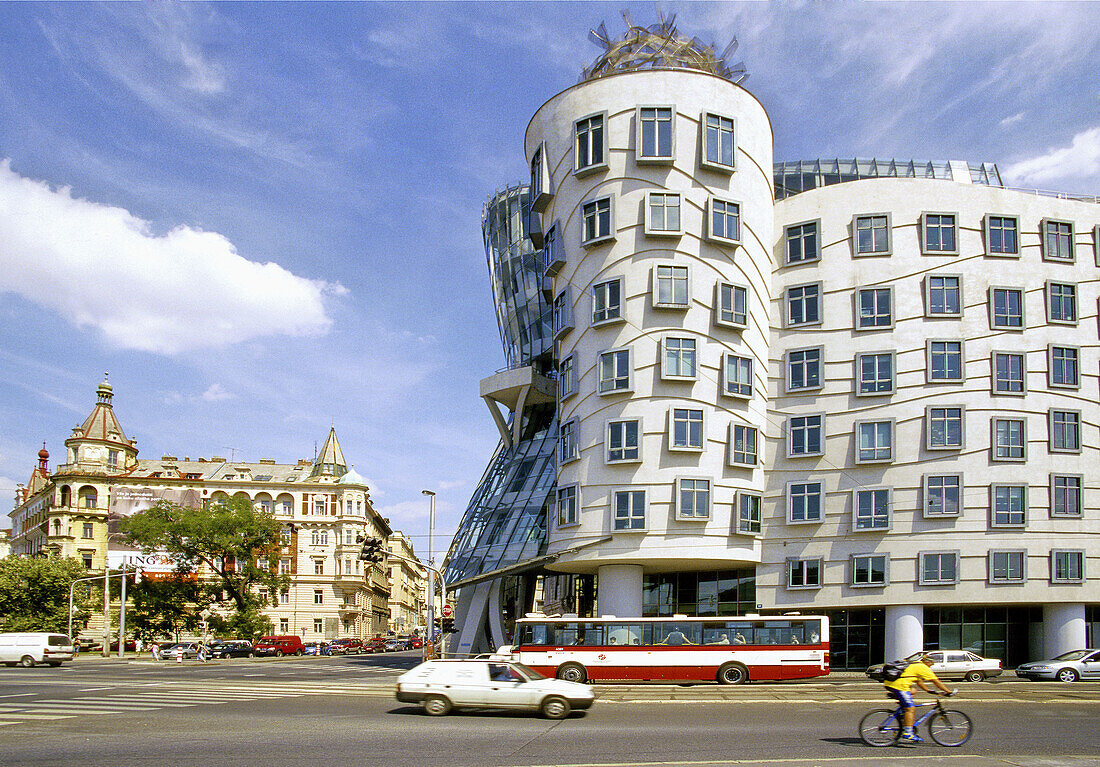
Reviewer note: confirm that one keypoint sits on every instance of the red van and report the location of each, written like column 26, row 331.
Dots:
column 279, row 646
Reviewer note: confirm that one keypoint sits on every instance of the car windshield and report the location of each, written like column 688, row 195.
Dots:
column 529, row 673
column 1072, row 655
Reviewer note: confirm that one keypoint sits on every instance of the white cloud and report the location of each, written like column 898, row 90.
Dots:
column 1079, row 160
column 216, row 393
column 1011, row 120
column 100, row 266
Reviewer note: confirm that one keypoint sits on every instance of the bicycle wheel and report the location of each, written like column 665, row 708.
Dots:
column 950, row 728
column 879, row 728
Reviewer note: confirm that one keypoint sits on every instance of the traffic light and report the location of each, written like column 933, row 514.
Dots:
column 448, row 626
column 371, row 550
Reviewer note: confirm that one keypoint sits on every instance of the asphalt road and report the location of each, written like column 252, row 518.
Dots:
column 319, row 711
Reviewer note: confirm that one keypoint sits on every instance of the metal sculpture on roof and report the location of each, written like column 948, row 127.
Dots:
column 659, row 46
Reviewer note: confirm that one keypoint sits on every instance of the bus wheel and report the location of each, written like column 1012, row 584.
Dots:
column 733, row 673
column 572, row 672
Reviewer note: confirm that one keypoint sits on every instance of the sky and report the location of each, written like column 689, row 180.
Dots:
column 264, row 219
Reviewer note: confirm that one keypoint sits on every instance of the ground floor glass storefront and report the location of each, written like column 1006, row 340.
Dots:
column 856, row 638
column 722, row 592
column 992, row 632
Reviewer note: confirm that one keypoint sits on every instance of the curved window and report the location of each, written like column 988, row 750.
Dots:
column 88, row 497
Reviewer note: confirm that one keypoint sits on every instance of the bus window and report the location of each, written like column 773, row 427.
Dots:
column 623, row 634
column 716, row 633
column 565, row 634
column 535, row 634
column 811, row 630
column 740, row 632
column 773, row 632
column 678, row 633
column 589, row 634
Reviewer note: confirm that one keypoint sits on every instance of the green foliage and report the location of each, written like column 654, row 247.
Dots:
column 165, row 607
column 34, row 594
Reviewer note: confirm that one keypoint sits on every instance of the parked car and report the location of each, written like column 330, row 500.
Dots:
column 129, row 644
column 347, row 646
column 232, row 648
column 377, row 644
column 415, row 643
column 442, row 685
column 951, row 664
column 184, row 649
column 393, row 644
column 285, row 644
column 1067, row 667
column 28, row 649
column 316, row 648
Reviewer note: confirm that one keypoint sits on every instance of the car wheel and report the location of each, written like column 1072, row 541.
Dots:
column 436, row 705
column 26, row 661
column 975, row 676
column 252, row 655
column 278, row 653
column 572, row 672
column 733, row 673
column 297, row 652
column 1067, row 675
column 555, row 707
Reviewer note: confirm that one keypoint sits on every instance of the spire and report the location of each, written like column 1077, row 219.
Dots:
column 104, row 392
column 330, row 462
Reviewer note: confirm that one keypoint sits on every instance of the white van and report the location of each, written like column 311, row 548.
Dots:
column 32, row 648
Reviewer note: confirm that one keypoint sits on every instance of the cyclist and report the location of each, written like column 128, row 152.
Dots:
column 900, row 690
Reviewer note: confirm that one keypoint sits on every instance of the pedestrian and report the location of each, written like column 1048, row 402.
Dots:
column 156, row 650
column 202, row 653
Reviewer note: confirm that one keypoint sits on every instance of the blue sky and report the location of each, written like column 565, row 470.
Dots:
column 264, row 219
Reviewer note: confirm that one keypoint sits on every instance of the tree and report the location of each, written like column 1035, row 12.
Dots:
column 165, row 607
column 34, row 594
column 231, row 546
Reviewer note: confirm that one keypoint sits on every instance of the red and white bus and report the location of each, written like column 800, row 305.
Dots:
column 677, row 649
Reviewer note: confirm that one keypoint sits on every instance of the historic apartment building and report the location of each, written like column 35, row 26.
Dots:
column 864, row 388
column 322, row 503
column 408, row 585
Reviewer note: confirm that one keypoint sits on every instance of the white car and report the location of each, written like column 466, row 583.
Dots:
column 952, row 664
column 440, row 685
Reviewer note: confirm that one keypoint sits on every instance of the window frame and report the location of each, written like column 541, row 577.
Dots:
column 992, row 301
column 1044, row 240
column 928, row 288
column 562, row 316
column 806, row 366
column 1051, row 430
column 875, row 490
column 567, row 378
column 568, row 430
column 1048, row 294
column 855, row 562
column 541, row 193
column 889, row 229
column 927, row 495
column 720, row 307
column 995, row 379
column 608, row 435
column 649, row 229
column 860, row 380
column 639, row 128
column 631, row 492
column 600, row 380
column 805, row 585
column 789, row 434
column 818, row 301
column 924, row 223
column 994, row 511
column 727, row 357
column 858, row 308
column 672, row 423
column 928, row 444
column 608, row 306
column 1051, row 368
column 570, row 491
column 1079, row 492
column 583, row 170
column 721, row 238
column 678, row 489
column 991, row 565
column 987, row 232
column 704, row 143
column 995, row 445
column 858, row 440
column 694, row 358
column 923, row 578
column 801, row 237
column 597, row 238
column 790, row 496
column 752, row 525
column 1082, row 563
column 930, row 358
column 733, row 452
column 673, row 278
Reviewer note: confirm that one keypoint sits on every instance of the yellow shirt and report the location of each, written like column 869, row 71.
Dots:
column 913, row 672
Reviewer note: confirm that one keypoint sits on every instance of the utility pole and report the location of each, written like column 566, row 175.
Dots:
column 429, row 645
column 106, row 610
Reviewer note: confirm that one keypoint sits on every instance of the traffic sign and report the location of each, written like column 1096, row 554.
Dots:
column 446, row 611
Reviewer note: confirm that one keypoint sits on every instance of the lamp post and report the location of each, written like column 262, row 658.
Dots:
column 429, row 645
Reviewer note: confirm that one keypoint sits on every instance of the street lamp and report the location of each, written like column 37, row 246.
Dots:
column 429, row 645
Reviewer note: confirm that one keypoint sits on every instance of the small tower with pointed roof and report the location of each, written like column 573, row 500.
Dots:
column 99, row 445
column 329, row 465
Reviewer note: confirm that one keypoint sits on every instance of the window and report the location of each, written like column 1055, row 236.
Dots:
column 615, row 371
column 743, row 445
column 1063, row 367
column 875, row 441
column 942, row 495
column 1065, row 431
column 945, row 361
column 943, row 294
column 748, row 513
column 1062, row 303
column 804, row 573
column 718, row 142
column 938, row 233
column 1009, row 505
column 732, row 305
column 590, row 145
column 1058, row 240
column 567, row 377
column 679, row 358
column 662, row 213
column 655, row 134
column 563, row 313
column 671, row 283
column 693, row 498
column 872, row 509
column 1009, row 373
column 318, row 625
column 86, row 559
column 1067, row 566
column 875, row 373
column 1009, row 439
column 552, row 250
column 88, row 530
column 1002, row 236
column 737, row 376
column 607, row 301
column 802, row 242
column 875, row 308
column 939, row 567
column 1006, row 308
column 540, row 179
column 686, row 429
column 804, row 435
column 567, row 505
column 1065, row 495
column 284, row 566
column 1007, row 566
column 630, row 510
column 725, row 220
column 567, row 442
column 623, row 441
column 112, row 458
column 869, row 569
column 318, row 567
column 318, row 597
column 804, row 305
column 596, row 218
column 872, row 235
column 804, row 502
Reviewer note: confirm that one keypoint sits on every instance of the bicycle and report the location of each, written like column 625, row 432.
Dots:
column 948, row 727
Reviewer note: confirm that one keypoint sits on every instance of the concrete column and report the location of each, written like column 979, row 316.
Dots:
column 1063, row 629
column 619, row 590
column 904, row 631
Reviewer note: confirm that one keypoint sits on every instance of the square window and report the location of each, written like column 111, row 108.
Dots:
column 1065, row 431
column 802, row 242
column 938, row 233
column 872, row 509
column 1067, row 566
column 803, row 304
column 743, row 441
column 1065, row 495
column 724, row 221
column 1009, row 373
column 685, row 429
column 567, row 505
column 875, row 308
column 607, row 300
column 737, row 376
column 662, row 214
column 693, row 498
column 943, row 295
column 732, row 305
column 875, row 441
column 1002, row 236
column 804, row 573
column 623, row 441
column 318, row 625
column 567, row 442
column 1007, row 566
column 615, row 371
column 656, row 136
column 88, row 531
column 679, row 358
column 562, row 319
column 1062, row 303
column 567, row 377
column 1009, row 439
column 872, row 235
column 596, row 221
column 945, row 361
column 1006, row 308
column 590, row 144
column 939, row 568
column 942, row 495
column 804, row 435
column 748, row 513
column 875, row 373
column 630, row 510
column 671, row 287
column 869, row 569
column 1058, row 240
column 1063, row 367
column 718, row 142
column 1008, row 506
column 318, row 567
column 805, row 501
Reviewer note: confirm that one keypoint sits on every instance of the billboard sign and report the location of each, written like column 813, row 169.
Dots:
column 126, row 501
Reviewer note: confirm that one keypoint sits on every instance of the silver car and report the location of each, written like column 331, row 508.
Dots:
column 1067, row 667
